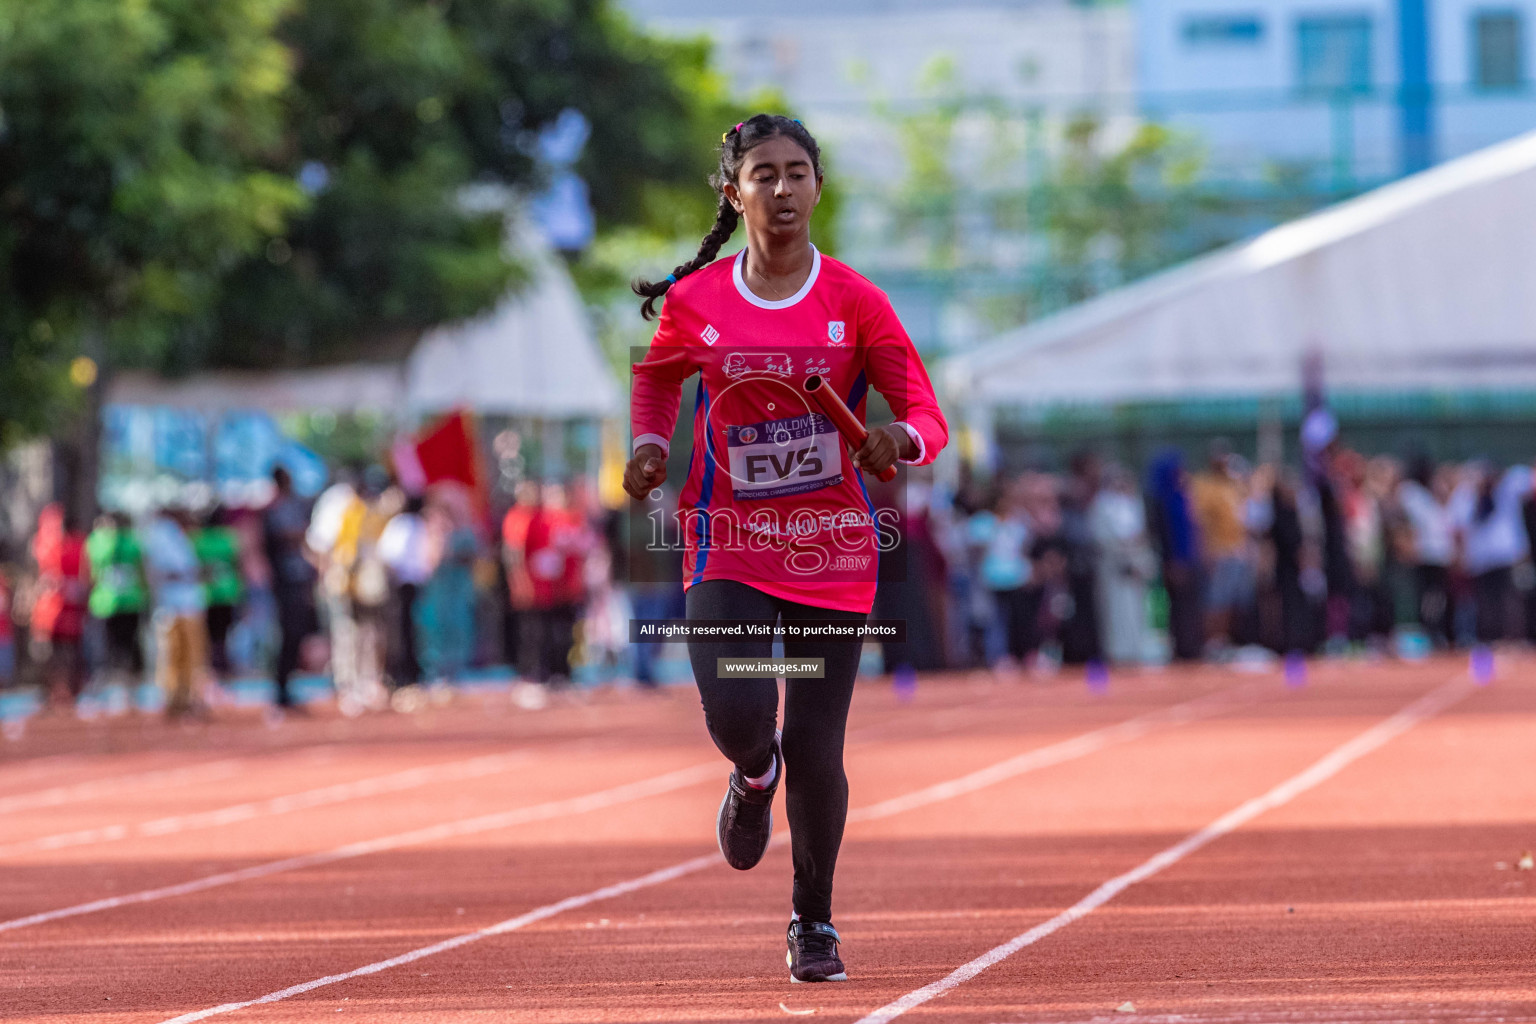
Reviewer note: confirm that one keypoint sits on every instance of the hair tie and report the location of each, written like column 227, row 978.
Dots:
column 672, row 279
column 738, row 125
column 798, row 121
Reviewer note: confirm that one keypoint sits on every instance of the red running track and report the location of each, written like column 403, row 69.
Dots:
column 482, row 862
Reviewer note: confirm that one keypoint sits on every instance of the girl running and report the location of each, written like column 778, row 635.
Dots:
column 777, row 523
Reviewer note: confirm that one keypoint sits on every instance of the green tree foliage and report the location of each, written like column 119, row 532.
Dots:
column 960, row 157
column 400, row 103
column 930, row 196
column 133, row 145
column 187, row 183
column 1012, row 213
column 1115, row 214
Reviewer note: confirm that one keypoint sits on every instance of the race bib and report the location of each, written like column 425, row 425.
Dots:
column 782, row 457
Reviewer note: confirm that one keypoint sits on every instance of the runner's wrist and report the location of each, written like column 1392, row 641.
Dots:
column 655, row 441
column 907, row 449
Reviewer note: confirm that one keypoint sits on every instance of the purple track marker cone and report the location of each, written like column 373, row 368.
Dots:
column 1295, row 670
column 904, row 682
column 1097, row 676
column 1482, row 665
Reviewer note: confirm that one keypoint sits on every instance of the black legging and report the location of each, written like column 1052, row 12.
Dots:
column 1020, row 612
column 1437, row 608
column 741, row 715
column 1492, row 590
column 295, row 621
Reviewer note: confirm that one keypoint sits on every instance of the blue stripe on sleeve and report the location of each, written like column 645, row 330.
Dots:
column 867, row 503
column 701, row 523
column 855, row 396
column 858, row 391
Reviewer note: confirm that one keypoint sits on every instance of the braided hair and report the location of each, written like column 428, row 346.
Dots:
column 734, row 146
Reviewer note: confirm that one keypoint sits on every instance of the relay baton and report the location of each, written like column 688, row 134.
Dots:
column 842, row 418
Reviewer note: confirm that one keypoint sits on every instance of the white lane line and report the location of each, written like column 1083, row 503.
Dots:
column 394, row 782
column 1058, row 753
column 57, row 795
column 210, row 772
column 47, row 765
column 510, row 925
column 465, row 827
column 1331, row 764
column 449, row 830
column 676, row 871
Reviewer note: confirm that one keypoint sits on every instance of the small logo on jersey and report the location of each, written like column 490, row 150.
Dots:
column 756, row 364
column 747, row 435
column 835, row 332
column 709, row 334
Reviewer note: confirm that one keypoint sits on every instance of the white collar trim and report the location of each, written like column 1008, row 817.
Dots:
column 761, row 303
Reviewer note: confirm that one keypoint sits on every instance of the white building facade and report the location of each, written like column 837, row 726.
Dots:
column 841, row 62
column 1345, row 91
column 851, row 69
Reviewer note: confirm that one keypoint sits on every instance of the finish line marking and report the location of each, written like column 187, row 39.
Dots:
column 1034, row 760
column 1331, row 764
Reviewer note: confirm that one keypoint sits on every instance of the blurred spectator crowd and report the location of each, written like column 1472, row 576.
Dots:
column 1093, row 566
column 1222, row 561
column 381, row 589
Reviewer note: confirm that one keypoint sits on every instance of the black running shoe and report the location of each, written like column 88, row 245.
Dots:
column 745, row 822
column 813, row 952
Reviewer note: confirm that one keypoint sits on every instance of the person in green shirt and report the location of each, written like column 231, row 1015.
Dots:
column 118, row 593
column 218, row 552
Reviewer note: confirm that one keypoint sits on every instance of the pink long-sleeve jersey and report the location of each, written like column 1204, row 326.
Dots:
column 772, row 497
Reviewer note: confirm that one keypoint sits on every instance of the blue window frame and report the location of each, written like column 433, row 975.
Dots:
column 1334, row 54
column 1498, row 50
column 1223, row 30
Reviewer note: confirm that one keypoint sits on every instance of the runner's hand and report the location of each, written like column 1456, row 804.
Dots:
column 882, row 448
column 645, row 472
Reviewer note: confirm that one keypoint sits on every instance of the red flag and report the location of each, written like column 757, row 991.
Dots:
column 447, row 451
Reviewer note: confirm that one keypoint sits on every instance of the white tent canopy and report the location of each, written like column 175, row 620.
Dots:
column 1424, row 285
column 532, row 355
